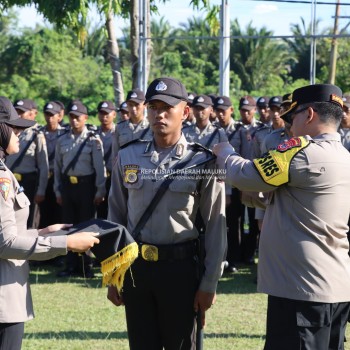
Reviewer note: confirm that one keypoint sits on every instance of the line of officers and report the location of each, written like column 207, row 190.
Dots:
column 65, row 168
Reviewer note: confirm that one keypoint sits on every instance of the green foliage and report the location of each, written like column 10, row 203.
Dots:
column 47, row 65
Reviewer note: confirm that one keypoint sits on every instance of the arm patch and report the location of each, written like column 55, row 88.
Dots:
column 273, row 167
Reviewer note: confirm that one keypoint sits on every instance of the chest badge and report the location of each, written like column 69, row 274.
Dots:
column 131, row 173
column 5, row 187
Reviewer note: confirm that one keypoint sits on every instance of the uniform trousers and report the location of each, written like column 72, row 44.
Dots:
column 159, row 299
column 250, row 239
column 78, row 206
column 11, row 335
column 50, row 211
column 305, row 325
column 102, row 209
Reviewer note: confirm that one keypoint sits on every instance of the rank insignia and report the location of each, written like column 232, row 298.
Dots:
column 179, row 150
column 130, row 173
column 5, row 187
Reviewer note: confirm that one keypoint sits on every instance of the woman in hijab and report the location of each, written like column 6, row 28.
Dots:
column 17, row 244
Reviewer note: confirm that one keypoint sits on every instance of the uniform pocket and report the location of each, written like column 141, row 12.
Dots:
column 22, row 200
column 311, row 314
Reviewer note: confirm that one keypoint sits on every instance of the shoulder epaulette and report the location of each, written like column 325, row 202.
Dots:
column 91, row 127
column 131, row 142
column 200, row 148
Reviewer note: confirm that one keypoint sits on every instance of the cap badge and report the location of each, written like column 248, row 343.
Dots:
column 245, row 102
column 220, row 101
column 74, row 108
column 133, row 95
column 190, row 97
column 262, row 100
column 104, row 105
column 200, row 99
column 20, row 103
column 49, row 106
column 130, row 173
column 124, row 104
column 161, row 86
column 275, row 99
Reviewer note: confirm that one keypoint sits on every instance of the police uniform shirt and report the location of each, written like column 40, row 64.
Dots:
column 233, row 135
column 17, row 244
column 247, row 134
column 126, row 131
column 194, row 134
column 107, row 140
column 51, row 140
column 35, row 158
column 273, row 139
column 90, row 160
column 136, row 177
column 258, row 138
column 345, row 137
column 303, row 249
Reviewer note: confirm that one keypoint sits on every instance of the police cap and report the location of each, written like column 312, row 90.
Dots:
column 106, row 106
column 222, row 102
column 202, row 101
column 76, row 107
column 247, row 102
column 136, row 95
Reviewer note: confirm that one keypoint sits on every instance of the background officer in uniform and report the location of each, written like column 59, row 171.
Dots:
column 106, row 115
column 165, row 292
column 344, row 128
column 79, row 178
column 123, row 111
column 50, row 211
column 30, row 165
column 136, row 126
column 17, row 244
column 304, row 265
column 203, row 131
column 262, row 104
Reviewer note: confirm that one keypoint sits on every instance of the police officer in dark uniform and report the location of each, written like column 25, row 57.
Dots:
column 79, row 178
column 123, row 111
column 107, row 115
column 30, row 166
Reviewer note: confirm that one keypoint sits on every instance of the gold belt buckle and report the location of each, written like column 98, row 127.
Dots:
column 73, row 180
column 18, row 176
column 50, row 174
column 149, row 252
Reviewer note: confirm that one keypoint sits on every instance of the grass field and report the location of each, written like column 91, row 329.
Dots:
column 74, row 314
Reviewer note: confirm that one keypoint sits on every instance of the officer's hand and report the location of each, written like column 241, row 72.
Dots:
column 98, row 200
column 39, row 198
column 82, row 241
column 53, row 228
column 203, row 301
column 114, row 297
column 59, row 200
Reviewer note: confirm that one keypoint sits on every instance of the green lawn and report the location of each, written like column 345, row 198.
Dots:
column 74, row 314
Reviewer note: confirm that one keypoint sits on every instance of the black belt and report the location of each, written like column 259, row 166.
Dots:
column 180, row 251
column 78, row 179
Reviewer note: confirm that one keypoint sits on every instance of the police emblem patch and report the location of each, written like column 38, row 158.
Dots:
column 130, row 173
column 161, row 86
column 288, row 144
column 5, row 187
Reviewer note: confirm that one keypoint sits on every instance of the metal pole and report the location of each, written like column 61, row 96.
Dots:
column 334, row 45
column 224, row 83
column 142, row 73
column 313, row 43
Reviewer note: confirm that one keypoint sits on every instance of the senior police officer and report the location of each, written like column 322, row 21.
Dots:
column 164, row 288
column 136, row 126
column 304, row 265
column 79, row 178
column 203, row 131
column 106, row 114
column 30, row 165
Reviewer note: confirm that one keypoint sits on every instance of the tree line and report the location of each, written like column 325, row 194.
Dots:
column 65, row 62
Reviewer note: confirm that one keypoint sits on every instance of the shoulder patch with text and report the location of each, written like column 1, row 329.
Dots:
column 273, row 166
column 131, row 173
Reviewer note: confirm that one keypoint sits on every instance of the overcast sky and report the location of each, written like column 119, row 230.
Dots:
column 274, row 15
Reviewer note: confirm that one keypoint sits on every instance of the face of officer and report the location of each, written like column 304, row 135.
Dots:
column 276, row 117
column 29, row 115
column 13, row 146
column 135, row 111
column 247, row 115
column 124, row 115
column 202, row 114
column 166, row 121
column 345, row 121
column 77, row 122
column 52, row 121
column 264, row 113
column 224, row 116
column 106, row 119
